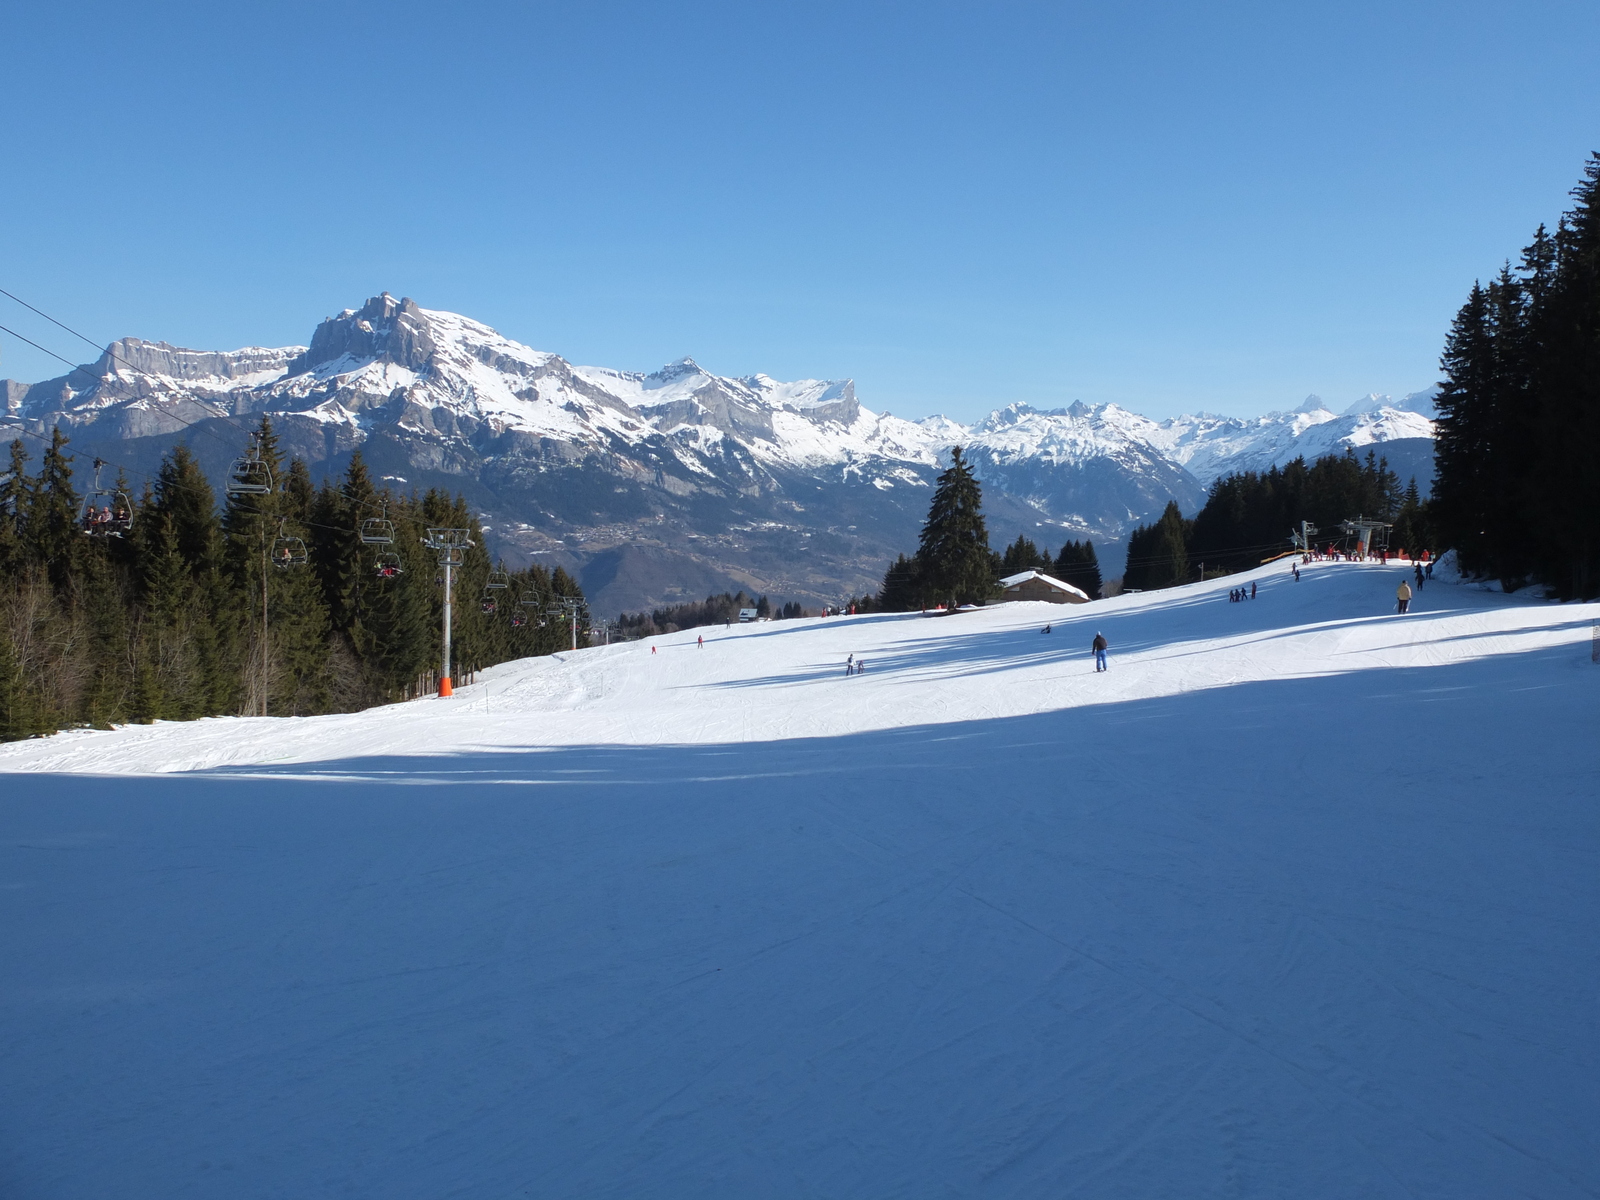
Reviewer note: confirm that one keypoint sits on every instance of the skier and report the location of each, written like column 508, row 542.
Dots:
column 652, row 649
column 701, row 641
column 1403, row 595
column 1046, row 629
column 1252, row 591
column 1100, row 647
column 1419, row 577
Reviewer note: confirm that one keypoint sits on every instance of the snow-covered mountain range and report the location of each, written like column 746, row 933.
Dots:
column 662, row 485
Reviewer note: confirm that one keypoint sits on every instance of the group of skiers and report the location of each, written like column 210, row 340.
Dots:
column 1238, row 594
column 855, row 666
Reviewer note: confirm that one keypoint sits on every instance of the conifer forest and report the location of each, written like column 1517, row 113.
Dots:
column 1518, row 449
column 133, row 604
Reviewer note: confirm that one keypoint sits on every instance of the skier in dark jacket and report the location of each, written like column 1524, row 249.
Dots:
column 1100, row 647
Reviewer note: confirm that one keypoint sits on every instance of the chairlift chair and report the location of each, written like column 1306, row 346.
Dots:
column 249, row 475
column 288, row 551
column 497, row 579
column 389, row 565
column 379, row 530
column 518, row 620
column 107, row 511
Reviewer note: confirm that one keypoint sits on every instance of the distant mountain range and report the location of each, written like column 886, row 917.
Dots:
column 655, row 488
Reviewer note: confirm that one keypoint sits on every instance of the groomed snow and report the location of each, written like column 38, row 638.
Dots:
column 1298, row 899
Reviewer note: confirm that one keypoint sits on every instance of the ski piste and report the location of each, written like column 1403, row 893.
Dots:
column 1296, row 899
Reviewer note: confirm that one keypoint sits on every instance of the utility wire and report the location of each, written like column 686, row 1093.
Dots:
column 52, row 321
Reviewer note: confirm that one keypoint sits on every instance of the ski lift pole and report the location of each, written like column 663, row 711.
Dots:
column 444, row 674
column 450, row 543
column 264, row 660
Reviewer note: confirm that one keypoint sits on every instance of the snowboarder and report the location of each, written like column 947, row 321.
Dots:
column 1403, row 595
column 1100, row 646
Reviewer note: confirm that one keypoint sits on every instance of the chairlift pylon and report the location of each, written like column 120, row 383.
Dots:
column 107, row 511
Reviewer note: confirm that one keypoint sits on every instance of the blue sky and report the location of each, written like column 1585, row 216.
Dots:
column 1169, row 206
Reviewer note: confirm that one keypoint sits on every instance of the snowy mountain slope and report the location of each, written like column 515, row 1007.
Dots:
column 1212, row 446
column 723, row 922
column 791, row 488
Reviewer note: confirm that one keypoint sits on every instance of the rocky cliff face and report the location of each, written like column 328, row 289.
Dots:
column 652, row 486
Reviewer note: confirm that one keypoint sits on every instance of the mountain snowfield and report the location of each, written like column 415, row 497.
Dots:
column 1297, row 899
column 656, row 487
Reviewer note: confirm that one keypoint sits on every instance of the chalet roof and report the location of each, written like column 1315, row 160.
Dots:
column 1011, row 581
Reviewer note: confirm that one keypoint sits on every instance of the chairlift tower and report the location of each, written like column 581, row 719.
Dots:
column 452, row 547
column 1301, row 538
column 569, row 607
column 1363, row 530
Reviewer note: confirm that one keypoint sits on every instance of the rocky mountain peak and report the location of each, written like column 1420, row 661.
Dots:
column 674, row 371
column 381, row 330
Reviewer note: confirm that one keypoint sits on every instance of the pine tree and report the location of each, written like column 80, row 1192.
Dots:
column 953, row 553
column 1562, row 486
column 14, row 505
column 902, row 589
column 1078, row 565
column 52, row 528
column 1158, row 554
column 1023, row 555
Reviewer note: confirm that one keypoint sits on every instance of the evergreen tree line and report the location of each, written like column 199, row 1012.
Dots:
column 714, row 610
column 1250, row 515
column 1517, row 492
column 274, row 603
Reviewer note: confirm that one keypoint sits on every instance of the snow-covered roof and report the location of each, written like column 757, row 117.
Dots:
column 1011, row 581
